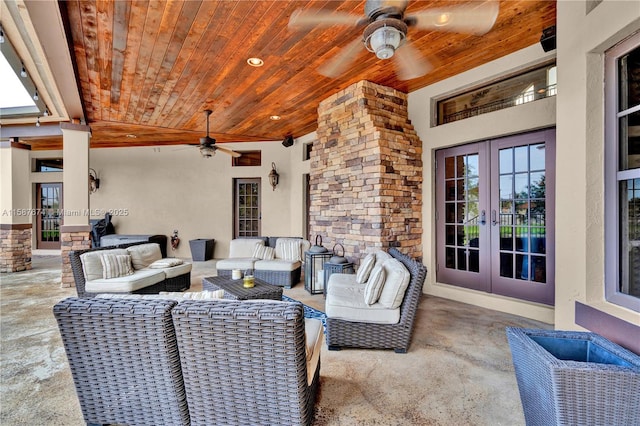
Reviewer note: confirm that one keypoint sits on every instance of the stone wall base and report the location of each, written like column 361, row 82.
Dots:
column 77, row 240
column 15, row 248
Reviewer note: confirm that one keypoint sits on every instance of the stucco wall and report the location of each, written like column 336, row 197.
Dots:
column 582, row 40
column 172, row 187
column 530, row 116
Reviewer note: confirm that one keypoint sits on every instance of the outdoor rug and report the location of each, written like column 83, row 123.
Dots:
column 310, row 312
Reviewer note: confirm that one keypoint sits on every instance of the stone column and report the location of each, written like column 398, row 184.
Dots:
column 366, row 172
column 75, row 233
column 16, row 216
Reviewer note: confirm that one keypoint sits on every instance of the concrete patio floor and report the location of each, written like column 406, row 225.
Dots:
column 458, row 369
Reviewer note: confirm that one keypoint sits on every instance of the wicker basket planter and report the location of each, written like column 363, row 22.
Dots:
column 574, row 378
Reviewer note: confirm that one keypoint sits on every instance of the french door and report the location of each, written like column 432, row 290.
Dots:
column 495, row 216
column 48, row 215
column 247, row 212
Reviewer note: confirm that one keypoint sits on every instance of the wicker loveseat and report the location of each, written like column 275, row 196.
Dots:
column 283, row 269
column 143, row 280
column 153, row 361
column 364, row 333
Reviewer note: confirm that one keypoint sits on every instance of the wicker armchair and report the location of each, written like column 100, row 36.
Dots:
column 342, row 333
column 124, row 360
column 244, row 363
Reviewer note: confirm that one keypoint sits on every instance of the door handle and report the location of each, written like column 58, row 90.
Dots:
column 483, row 217
column 494, row 221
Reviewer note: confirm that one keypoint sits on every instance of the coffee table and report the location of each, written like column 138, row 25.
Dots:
column 234, row 289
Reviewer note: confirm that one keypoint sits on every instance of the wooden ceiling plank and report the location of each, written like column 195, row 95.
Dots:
column 137, row 19
column 121, row 16
column 91, row 93
column 175, row 45
column 186, row 54
column 169, row 24
column 150, row 29
column 104, row 14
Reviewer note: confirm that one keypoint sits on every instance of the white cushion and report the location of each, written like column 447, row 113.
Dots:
column 314, row 339
column 242, row 263
column 289, row 249
column 167, row 295
column 166, row 263
column 173, row 271
column 381, row 257
column 276, row 265
column 140, row 279
column 115, row 265
column 143, row 255
column 365, row 268
column 243, row 247
column 92, row 265
column 345, row 300
column 374, row 286
column 395, row 284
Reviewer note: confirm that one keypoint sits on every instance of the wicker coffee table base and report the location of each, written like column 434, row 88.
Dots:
column 234, row 289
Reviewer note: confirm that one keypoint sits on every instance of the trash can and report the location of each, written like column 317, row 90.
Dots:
column 574, row 378
column 202, row 249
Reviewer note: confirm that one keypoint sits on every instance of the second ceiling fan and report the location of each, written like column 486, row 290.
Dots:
column 208, row 146
column 386, row 29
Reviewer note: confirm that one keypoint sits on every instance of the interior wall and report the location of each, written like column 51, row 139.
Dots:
column 582, row 40
column 522, row 118
column 155, row 190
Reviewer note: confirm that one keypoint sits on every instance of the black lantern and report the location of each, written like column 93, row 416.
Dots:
column 314, row 272
column 273, row 176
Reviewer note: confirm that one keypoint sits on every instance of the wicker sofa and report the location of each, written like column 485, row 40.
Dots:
column 283, row 269
column 353, row 323
column 152, row 361
column 143, row 280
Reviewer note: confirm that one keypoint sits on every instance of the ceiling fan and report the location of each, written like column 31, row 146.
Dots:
column 208, row 145
column 385, row 33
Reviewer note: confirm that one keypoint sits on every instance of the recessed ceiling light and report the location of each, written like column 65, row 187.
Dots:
column 274, row 117
column 255, row 62
column 132, row 136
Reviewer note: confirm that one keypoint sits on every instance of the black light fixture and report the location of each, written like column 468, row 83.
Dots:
column 1, row 35
column 23, row 72
column 35, row 95
column 94, row 182
column 273, row 176
column 288, row 141
column 38, row 122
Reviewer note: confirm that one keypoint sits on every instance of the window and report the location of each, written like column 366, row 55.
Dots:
column 248, row 158
column 526, row 87
column 48, row 165
column 622, row 181
column 306, row 151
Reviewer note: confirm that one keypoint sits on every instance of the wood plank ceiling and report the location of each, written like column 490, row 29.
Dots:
column 150, row 68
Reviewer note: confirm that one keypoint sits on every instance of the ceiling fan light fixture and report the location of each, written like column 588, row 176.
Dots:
column 443, row 19
column 207, row 151
column 384, row 41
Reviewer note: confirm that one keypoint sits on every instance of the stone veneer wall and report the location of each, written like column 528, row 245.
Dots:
column 15, row 248
column 366, row 173
column 72, row 240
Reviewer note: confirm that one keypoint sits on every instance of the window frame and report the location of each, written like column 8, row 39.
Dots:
column 613, row 175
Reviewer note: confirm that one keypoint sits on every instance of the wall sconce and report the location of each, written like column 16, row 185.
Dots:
column 273, row 176
column 94, row 182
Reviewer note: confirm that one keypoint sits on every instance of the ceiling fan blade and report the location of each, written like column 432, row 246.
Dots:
column 472, row 19
column 321, row 18
column 410, row 63
column 228, row 151
column 339, row 63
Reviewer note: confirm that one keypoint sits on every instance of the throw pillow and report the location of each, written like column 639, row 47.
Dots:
column 288, row 249
column 395, row 284
column 143, row 255
column 115, row 265
column 269, row 253
column 365, row 268
column 258, row 251
column 374, row 286
column 166, row 263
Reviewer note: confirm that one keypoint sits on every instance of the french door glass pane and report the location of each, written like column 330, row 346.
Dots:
column 629, row 141
column 461, row 212
column 522, row 213
column 248, row 209
column 50, row 213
